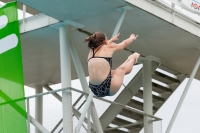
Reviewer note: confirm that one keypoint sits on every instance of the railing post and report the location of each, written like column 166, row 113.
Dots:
column 38, row 106
column 28, row 114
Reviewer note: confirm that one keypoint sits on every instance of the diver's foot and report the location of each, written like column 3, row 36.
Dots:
column 135, row 56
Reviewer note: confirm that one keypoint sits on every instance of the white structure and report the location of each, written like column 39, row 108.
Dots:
column 163, row 43
column 190, row 5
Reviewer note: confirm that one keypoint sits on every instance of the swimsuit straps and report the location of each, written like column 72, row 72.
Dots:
column 109, row 59
column 102, row 89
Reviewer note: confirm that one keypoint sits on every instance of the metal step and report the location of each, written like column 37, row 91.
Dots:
column 131, row 115
column 158, row 104
column 115, row 131
column 120, row 122
column 155, row 98
column 159, row 88
column 169, row 70
column 138, row 105
column 164, row 78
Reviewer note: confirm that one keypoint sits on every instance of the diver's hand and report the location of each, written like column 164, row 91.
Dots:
column 115, row 38
column 133, row 37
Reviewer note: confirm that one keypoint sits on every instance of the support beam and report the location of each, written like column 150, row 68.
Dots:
column 54, row 94
column 78, row 66
column 39, row 107
column 66, row 78
column 84, row 84
column 121, row 18
column 36, row 22
column 87, row 105
column 119, row 23
column 39, row 127
column 183, row 95
column 89, row 122
column 147, row 95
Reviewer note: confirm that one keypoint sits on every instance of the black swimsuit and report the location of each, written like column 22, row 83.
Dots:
column 102, row 89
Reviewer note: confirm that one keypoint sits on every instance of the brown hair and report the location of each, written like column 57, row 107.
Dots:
column 95, row 40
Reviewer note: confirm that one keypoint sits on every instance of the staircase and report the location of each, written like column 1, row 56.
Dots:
column 132, row 95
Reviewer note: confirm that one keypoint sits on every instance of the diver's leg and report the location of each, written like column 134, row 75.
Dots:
column 119, row 73
column 128, row 64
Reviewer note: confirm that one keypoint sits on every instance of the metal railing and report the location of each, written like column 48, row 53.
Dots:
column 53, row 113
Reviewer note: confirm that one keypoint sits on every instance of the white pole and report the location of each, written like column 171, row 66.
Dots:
column 38, row 106
column 24, row 11
column 119, row 23
column 24, row 15
column 183, row 96
column 87, row 105
column 88, row 121
column 66, row 78
column 28, row 115
column 84, row 84
column 78, row 66
column 147, row 95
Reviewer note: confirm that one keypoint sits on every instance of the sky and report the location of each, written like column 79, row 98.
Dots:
column 188, row 118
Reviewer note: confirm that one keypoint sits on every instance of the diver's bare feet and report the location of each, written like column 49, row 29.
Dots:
column 135, row 56
column 130, row 56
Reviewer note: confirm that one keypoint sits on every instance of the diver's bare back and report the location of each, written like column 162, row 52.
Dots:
column 99, row 68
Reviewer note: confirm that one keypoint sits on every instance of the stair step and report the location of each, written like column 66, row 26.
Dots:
column 135, row 130
column 169, row 70
column 158, row 104
column 121, row 122
column 159, row 88
column 115, row 131
column 164, row 78
column 155, row 98
column 166, row 95
column 131, row 114
column 138, row 105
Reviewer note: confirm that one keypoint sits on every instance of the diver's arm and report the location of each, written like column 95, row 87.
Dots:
column 124, row 44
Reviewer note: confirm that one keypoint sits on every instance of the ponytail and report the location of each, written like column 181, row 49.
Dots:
column 95, row 40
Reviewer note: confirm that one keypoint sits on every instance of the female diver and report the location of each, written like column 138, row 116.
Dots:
column 102, row 80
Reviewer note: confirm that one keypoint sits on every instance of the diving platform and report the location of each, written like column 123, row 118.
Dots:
column 168, row 42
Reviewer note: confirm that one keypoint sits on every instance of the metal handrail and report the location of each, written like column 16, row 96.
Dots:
column 73, row 89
